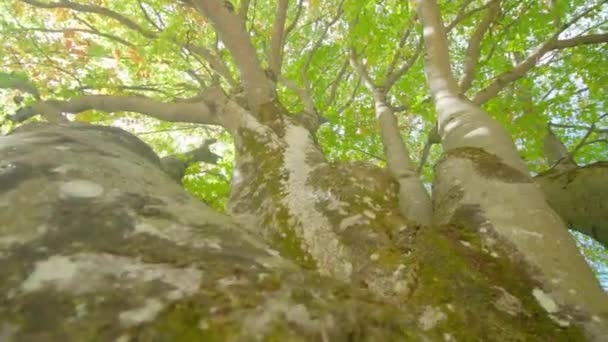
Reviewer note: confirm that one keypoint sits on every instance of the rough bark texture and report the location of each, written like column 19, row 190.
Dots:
column 283, row 184
column 98, row 243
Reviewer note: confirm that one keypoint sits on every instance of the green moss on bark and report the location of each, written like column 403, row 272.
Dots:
column 488, row 165
column 484, row 296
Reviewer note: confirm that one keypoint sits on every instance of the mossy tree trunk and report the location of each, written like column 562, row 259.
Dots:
column 99, row 243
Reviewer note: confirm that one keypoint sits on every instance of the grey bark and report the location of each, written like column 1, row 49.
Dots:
column 482, row 183
column 578, row 195
column 98, row 243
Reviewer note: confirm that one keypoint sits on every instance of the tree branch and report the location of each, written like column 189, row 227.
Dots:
column 394, row 76
column 275, row 55
column 438, row 69
column 520, row 70
column 306, row 91
column 580, row 40
column 319, row 41
column 553, row 43
column 351, row 99
column 361, row 71
column 176, row 165
column 398, row 161
column 582, row 142
column 258, row 88
column 94, row 9
column 293, row 24
column 580, row 127
column 302, row 93
column 151, row 88
column 203, row 111
column 148, row 18
column 89, row 31
column 244, row 10
column 462, row 15
column 555, row 151
column 399, row 48
column 432, row 139
column 474, row 47
column 333, row 91
column 217, row 64
column 591, row 142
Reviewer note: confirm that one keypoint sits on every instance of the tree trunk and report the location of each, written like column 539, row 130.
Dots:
column 482, row 186
column 99, row 243
column 578, row 195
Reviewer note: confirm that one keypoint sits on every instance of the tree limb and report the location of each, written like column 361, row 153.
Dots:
column 305, row 92
column 581, row 127
column 399, row 48
column 319, row 42
column 582, row 142
column 203, row 111
column 362, row 71
column 580, row 40
column 432, row 139
column 176, row 165
column 394, row 76
column 474, row 47
column 555, row 151
column 462, row 14
column 351, row 99
column 520, row 70
column 398, row 161
column 293, row 24
column 89, row 31
column 94, row 9
column 217, row 64
column 258, row 88
column 438, row 69
column 151, row 88
column 244, row 10
column 275, row 55
column 302, row 93
column 148, row 18
column 333, row 91
column 552, row 43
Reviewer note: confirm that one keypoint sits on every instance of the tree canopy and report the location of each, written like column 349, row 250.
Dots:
column 530, row 64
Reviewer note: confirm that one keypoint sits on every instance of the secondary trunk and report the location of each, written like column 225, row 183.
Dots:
column 482, row 184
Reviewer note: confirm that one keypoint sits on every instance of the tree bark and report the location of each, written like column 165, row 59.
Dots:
column 578, row 195
column 481, row 183
column 99, row 243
